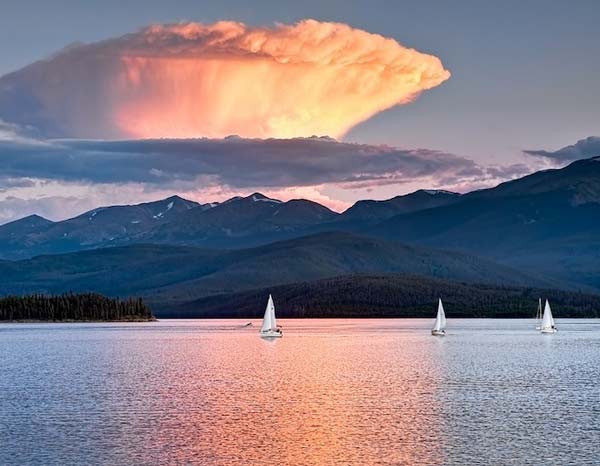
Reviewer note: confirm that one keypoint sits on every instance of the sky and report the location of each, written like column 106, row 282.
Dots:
column 513, row 76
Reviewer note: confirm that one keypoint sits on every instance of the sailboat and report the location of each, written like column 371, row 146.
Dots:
column 439, row 329
column 538, row 316
column 547, row 320
column 269, row 327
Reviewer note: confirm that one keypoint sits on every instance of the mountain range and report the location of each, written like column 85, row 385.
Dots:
column 540, row 230
column 165, row 274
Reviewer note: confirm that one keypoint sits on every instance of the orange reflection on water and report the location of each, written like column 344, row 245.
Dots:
column 309, row 398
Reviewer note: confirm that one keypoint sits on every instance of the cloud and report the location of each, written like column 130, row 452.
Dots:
column 582, row 149
column 234, row 162
column 51, row 207
column 16, row 133
column 8, row 131
column 196, row 80
column 57, row 200
column 61, row 178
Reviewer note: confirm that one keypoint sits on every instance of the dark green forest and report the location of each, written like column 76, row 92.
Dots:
column 72, row 307
column 391, row 296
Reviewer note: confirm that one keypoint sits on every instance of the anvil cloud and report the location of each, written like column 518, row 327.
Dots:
column 213, row 80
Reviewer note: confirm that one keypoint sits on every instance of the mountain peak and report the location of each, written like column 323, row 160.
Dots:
column 370, row 210
column 175, row 197
column 37, row 218
column 33, row 220
column 186, row 204
column 178, row 199
column 254, row 197
column 258, row 197
column 23, row 226
column 436, row 192
column 581, row 179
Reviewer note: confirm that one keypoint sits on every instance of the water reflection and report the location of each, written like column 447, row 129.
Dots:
column 336, row 392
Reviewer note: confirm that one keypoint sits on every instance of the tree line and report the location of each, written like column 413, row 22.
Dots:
column 391, row 296
column 73, row 307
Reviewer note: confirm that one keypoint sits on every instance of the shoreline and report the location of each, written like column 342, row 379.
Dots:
column 258, row 318
column 75, row 321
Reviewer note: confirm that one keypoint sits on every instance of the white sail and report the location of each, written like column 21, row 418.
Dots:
column 273, row 319
column 441, row 310
column 547, row 319
column 538, row 316
column 269, row 322
column 440, row 320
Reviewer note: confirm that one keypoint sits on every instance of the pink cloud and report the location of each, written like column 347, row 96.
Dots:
column 213, row 80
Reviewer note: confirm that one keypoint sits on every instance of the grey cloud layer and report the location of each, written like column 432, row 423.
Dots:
column 235, row 162
column 51, row 207
column 582, row 149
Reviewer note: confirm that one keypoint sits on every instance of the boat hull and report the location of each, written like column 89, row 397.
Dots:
column 548, row 330
column 438, row 333
column 271, row 334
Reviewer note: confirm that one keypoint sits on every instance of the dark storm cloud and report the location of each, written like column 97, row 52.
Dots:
column 582, row 149
column 232, row 161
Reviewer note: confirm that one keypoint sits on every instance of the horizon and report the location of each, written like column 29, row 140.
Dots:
column 588, row 148
column 247, row 195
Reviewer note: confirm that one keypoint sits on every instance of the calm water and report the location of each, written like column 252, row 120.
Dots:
column 331, row 392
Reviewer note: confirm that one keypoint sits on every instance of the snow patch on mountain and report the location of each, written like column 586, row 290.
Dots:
column 435, row 192
column 161, row 214
column 93, row 213
column 255, row 198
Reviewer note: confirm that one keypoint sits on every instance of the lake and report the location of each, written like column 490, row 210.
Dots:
column 331, row 392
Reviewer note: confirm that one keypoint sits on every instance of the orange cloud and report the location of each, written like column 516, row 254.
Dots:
column 194, row 80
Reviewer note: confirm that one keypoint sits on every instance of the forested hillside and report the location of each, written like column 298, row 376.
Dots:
column 72, row 307
column 390, row 296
